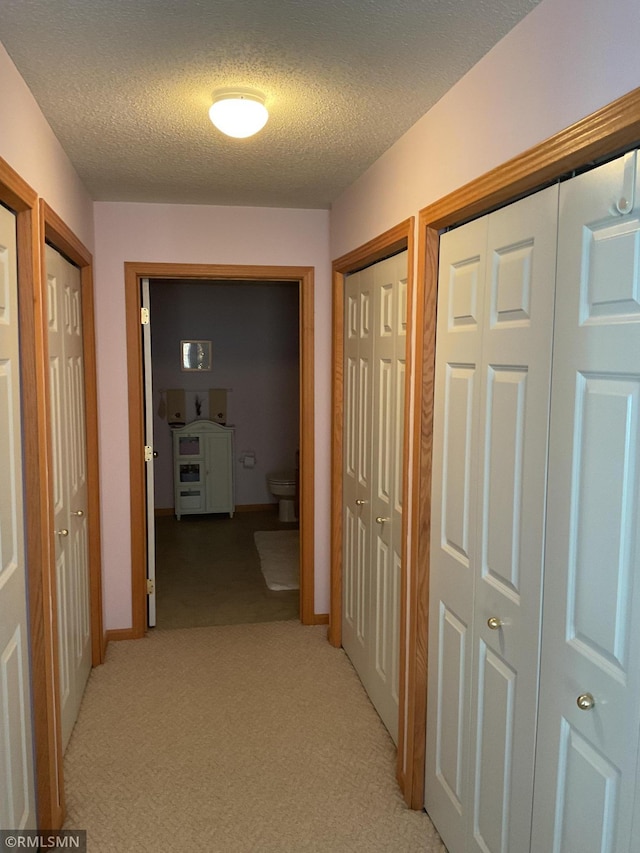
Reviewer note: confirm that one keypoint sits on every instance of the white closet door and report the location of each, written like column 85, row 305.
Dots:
column 389, row 348
column 375, row 364
column 66, row 382
column 497, row 280
column 17, row 797
column 358, row 342
column 587, row 758
column 461, row 289
column 514, row 425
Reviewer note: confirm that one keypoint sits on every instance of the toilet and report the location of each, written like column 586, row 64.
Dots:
column 282, row 484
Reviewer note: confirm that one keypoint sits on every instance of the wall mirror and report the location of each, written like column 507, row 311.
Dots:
column 195, row 355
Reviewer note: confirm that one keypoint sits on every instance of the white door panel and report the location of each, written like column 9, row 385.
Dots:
column 461, row 290
column 357, row 465
column 17, row 796
column 66, row 386
column 587, row 759
column 493, row 366
column 375, row 364
column 514, row 413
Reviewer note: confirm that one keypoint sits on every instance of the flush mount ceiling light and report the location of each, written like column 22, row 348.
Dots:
column 238, row 112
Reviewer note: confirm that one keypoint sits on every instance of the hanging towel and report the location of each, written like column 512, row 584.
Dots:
column 176, row 407
column 218, row 405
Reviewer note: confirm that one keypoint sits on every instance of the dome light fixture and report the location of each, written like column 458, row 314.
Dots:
column 238, row 112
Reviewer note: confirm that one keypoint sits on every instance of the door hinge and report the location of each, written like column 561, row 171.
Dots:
column 148, row 453
column 151, row 586
column 144, row 317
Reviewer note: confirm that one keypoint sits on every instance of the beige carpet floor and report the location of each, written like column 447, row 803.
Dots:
column 235, row 738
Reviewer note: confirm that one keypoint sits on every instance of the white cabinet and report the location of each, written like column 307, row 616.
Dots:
column 533, row 715
column 203, row 469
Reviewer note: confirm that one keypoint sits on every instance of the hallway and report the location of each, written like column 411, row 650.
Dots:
column 231, row 739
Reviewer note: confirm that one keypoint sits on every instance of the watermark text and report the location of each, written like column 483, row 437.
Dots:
column 43, row 839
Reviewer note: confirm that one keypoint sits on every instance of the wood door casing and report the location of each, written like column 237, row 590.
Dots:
column 610, row 129
column 35, row 219
column 390, row 242
column 17, row 794
column 134, row 272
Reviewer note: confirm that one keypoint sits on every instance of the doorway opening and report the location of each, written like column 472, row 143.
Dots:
column 182, row 273
column 223, row 427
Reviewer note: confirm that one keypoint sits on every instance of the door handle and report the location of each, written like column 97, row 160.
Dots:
column 585, row 702
column 360, row 502
column 63, row 532
column 494, row 623
column 79, row 513
column 381, row 520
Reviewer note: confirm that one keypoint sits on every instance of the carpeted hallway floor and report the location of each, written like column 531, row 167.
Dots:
column 235, row 738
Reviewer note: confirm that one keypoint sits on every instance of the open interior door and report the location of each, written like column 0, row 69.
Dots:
column 149, row 454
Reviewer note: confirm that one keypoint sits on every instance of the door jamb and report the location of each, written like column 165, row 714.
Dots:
column 304, row 276
column 394, row 240
column 602, row 134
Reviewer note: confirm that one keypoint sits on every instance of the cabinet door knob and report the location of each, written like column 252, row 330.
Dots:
column 79, row 513
column 63, row 532
column 360, row 502
column 494, row 623
column 585, row 702
column 381, row 520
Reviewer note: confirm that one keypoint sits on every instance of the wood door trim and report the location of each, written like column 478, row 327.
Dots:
column 134, row 271
column 603, row 134
column 394, row 240
column 23, row 200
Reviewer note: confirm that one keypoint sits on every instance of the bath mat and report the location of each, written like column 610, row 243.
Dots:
column 279, row 552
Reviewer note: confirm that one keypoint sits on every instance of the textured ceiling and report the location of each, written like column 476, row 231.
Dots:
column 126, row 86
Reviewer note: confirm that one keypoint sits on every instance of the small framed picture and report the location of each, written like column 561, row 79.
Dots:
column 195, row 355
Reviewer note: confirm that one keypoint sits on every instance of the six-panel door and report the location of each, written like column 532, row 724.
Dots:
column 17, row 796
column 589, row 733
column 490, row 445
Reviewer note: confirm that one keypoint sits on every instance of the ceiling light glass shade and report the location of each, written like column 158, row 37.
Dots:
column 238, row 113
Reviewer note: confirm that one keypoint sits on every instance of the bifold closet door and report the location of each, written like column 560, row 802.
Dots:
column 375, row 365
column 589, row 726
column 358, row 389
column 66, row 383
column 17, row 796
column 493, row 365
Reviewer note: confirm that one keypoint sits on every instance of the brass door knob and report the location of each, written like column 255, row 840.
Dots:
column 585, row 702
column 360, row 502
column 494, row 623
column 63, row 532
column 79, row 513
column 381, row 520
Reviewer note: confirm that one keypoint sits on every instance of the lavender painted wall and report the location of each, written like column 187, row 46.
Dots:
column 192, row 234
column 565, row 60
column 254, row 334
column 29, row 146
